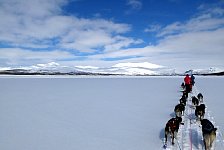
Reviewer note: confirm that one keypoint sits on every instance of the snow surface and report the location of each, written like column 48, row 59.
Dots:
column 101, row 113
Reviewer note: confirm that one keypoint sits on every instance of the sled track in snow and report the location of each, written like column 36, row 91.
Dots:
column 219, row 142
column 193, row 139
column 193, row 126
column 189, row 136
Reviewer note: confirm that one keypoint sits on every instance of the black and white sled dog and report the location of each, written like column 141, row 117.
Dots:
column 185, row 94
column 172, row 127
column 209, row 133
column 183, row 100
column 195, row 101
column 183, row 85
column 200, row 97
column 200, row 111
column 179, row 110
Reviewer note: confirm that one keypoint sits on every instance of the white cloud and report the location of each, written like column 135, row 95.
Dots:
column 26, row 54
column 33, row 8
column 212, row 9
column 135, row 4
column 153, row 28
column 86, row 41
column 211, row 19
column 41, row 23
column 15, row 56
column 206, row 42
column 120, row 43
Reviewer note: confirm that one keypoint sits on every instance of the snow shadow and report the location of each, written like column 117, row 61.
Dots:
column 192, row 116
column 173, row 115
column 191, row 106
column 196, row 139
column 162, row 134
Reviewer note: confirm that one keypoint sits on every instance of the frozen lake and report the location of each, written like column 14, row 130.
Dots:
column 94, row 113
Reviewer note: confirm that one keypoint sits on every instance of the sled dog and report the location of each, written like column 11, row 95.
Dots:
column 195, row 101
column 209, row 133
column 200, row 97
column 179, row 110
column 200, row 111
column 172, row 127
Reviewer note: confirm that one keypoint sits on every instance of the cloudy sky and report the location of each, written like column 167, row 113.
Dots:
column 181, row 34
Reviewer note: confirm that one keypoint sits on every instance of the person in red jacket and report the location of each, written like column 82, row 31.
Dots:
column 187, row 81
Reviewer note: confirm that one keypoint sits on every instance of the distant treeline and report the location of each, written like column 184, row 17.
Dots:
column 214, row 74
column 25, row 72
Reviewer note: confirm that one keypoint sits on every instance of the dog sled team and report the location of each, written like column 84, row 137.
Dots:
column 172, row 126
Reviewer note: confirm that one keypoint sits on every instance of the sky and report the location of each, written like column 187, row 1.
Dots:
column 180, row 34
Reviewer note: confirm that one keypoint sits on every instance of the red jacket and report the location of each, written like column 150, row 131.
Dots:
column 187, row 79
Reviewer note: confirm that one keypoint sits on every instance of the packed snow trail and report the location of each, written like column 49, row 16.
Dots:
column 195, row 132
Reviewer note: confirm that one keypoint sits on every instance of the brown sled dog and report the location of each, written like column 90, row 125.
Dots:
column 209, row 133
column 172, row 127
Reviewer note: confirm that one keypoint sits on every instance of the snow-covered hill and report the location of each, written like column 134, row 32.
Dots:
column 143, row 68
column 211, row 70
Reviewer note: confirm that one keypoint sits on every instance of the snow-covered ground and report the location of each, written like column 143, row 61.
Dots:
column 105, row 113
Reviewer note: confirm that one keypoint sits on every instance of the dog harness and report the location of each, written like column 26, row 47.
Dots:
column 172, row 124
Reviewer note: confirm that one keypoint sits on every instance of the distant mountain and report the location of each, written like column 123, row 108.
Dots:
column 49, row 69
column 144, row 68
column 215, row 74
column 209, row 71
column 129, row 69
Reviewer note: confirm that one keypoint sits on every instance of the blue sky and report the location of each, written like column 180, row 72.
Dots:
column 181, row 34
